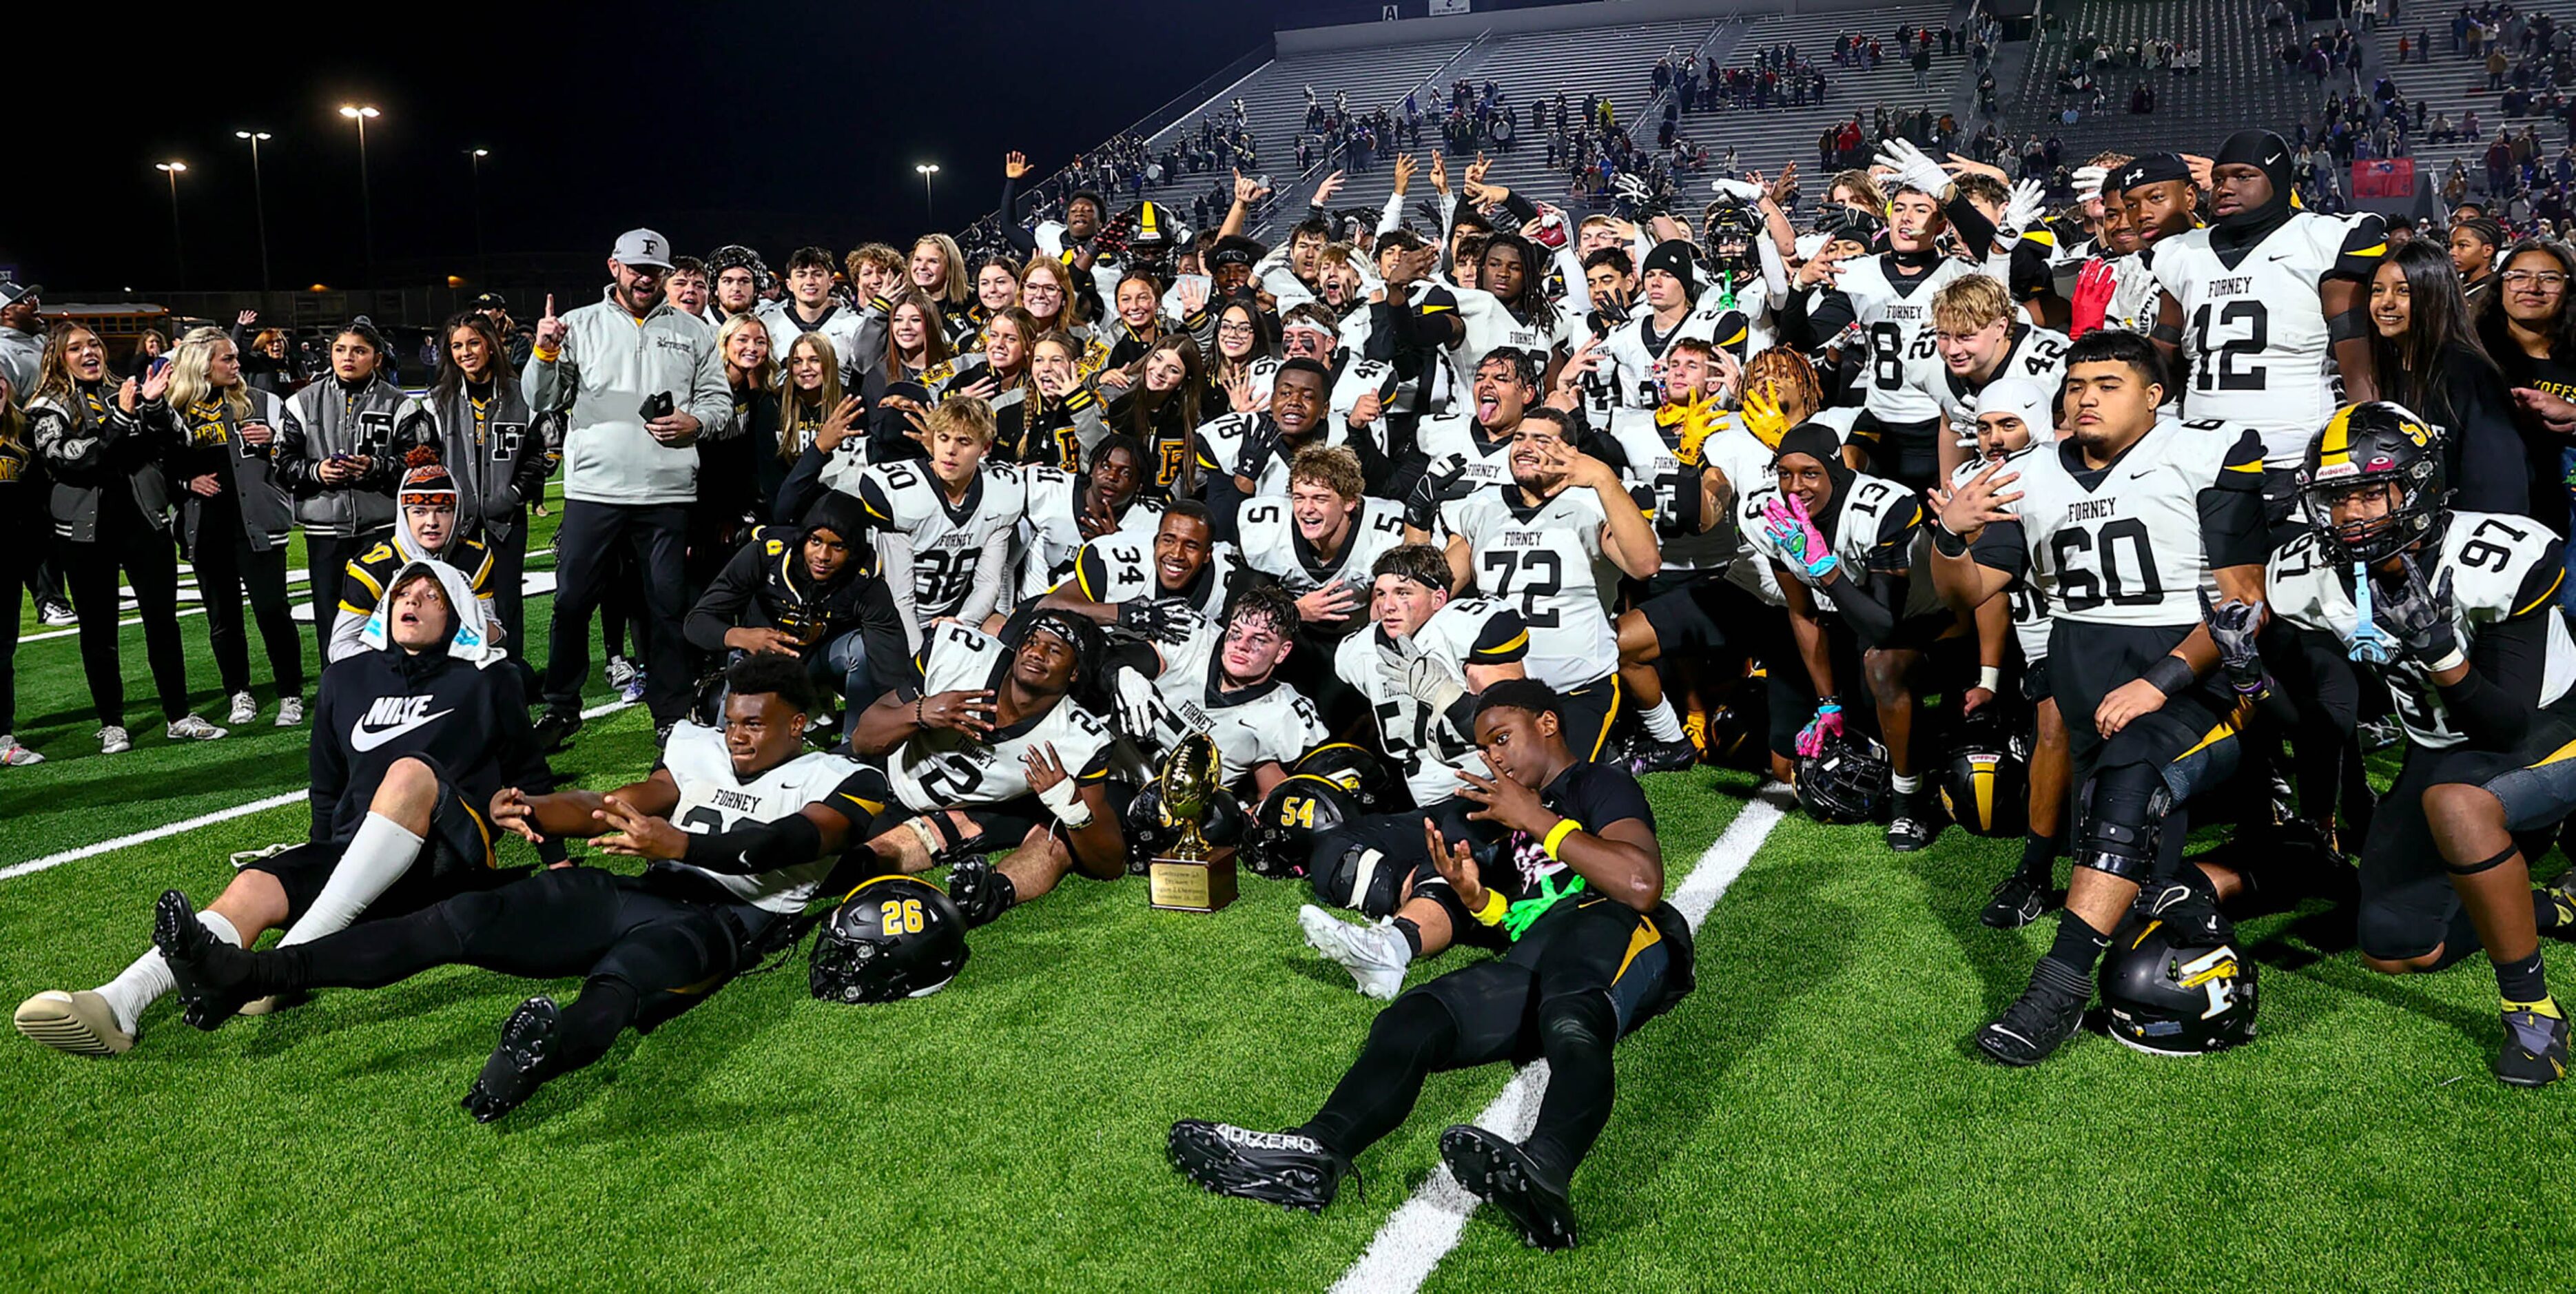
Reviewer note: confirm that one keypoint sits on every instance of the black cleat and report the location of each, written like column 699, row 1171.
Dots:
column 2535, row 1049
column 1652, row 756
column 212, row 975
column 2041, row 1019
column 556, row 729
column 1916, row 822
column 981, row 894
column 518, row 1065
column 1288, row 1169
column 2554, row 908
column 2016, row 902
column 1500, row 1173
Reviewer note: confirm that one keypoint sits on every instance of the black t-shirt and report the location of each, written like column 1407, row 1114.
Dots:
column 2550, row 492
column 1595, row 795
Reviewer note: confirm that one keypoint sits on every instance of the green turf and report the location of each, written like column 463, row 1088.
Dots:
column 1811, row 1117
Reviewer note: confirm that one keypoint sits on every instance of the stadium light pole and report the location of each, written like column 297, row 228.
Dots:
column 482, row 261
column 258, row 198
column 178, row 246
column 929, row 171
column 359, row 113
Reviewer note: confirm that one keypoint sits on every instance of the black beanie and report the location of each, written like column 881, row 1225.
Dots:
column 2270, row 154
column 1674, row 257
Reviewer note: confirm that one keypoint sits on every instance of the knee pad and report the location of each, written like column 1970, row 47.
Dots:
column 2117, row 813
column 1357, row 876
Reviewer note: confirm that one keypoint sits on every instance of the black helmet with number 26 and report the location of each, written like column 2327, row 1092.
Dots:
column 892, row 938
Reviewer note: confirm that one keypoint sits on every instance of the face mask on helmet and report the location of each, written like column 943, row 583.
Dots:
column 2372, row 483
column 892, row 938
column 1845, row 782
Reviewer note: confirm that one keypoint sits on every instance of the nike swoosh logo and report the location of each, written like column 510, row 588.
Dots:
column 366, row 738
column 2273, row 160
column 2140, row 472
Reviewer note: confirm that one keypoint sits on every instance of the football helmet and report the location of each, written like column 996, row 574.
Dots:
column 892, row 938
column 1149, row 837
column 1282, row 833
column 1362, row 774
column 2173, row 983
column 2375, row 445
column 1985, row 783
column 1845, row 781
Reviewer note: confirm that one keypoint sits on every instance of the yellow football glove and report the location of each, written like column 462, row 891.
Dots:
column 1763, row 418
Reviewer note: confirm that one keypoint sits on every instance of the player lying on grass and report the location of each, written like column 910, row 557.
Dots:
column 1574, row 880
column 414, row 739
column 997, row 747
column 740, row 826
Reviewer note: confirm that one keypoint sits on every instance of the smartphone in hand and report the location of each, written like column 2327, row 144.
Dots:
column 658, row 405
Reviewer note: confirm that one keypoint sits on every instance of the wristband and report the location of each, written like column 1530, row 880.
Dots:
column 1946, row 543
column 2452, row 661
column 548, row 356
column 1492, row 913
column 1990, row 677
column 1059, row 801
column 1556, row 836
column 2169, row 675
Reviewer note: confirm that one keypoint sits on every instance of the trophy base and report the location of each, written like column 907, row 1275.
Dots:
column 1191, row 885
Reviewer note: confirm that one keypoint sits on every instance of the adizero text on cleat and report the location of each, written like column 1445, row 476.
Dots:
column 1288, row 1169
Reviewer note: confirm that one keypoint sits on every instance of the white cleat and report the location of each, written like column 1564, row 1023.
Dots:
column 290, row 711
column 245, row 708
column 113, row 740
column 192, row 727
column 80, row 1023
column 1376, row 956
column 13, row 755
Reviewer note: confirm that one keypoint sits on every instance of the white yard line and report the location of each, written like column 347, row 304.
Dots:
column 531, row 584
column 50, row 861
column 1417, row 1235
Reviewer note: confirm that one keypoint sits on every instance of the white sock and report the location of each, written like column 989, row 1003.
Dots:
column 376, row 858
column 148, row 979
column 1661, row 723
column 1905, row 784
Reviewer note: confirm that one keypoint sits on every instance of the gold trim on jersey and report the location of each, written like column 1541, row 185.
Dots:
column 2546, row 597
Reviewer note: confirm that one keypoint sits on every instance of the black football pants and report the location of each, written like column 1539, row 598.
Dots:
column 1566, row 991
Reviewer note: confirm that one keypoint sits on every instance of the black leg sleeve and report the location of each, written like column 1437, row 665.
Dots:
column 1575, row 1031
column 593, row 1021
column 1411, row 1040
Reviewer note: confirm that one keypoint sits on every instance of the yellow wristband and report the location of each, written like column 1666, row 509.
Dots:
column 1492, row 913
column 546, row 356
column 1556, row 836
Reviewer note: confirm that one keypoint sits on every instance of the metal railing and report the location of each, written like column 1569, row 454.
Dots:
column 1151, row 126
column 1332, row 158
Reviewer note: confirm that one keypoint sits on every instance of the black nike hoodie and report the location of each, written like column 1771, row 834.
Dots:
column 378, row 706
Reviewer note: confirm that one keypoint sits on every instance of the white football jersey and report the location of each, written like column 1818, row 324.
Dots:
column 1895, row 314
column 713, row 800
column 2254, row 326
column 1491, row 327
column 2125, row 547
column 1455, row 437
column 1120, row 568
column 1267, row 723
column 1228, row 444
column 2029, row 606
column 947, row 539
column 1051, row 532
column 1654, row 465
column 1636, row 351
column 1547, row 560
column 944, row 768
column 1273, row 545
column 2037, row 354
column 1468, row 631
column 2501, row 568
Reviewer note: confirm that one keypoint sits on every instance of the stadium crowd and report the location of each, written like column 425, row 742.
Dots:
column 1428, row 530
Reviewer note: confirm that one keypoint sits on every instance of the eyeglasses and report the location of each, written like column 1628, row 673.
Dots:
column 1235, row 328
column 2535, row 278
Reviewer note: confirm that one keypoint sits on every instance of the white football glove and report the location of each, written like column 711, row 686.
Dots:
column 1913, row 169
column 1140, row 712
column 1740, row 190
column 2088, row 182
column 2020, row 214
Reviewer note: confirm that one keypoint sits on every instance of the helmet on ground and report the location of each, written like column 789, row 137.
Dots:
column 892, row 938
column 2173, row 983
column 1844, row 781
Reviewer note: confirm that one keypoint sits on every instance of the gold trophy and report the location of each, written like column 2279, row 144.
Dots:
column 1194, row 877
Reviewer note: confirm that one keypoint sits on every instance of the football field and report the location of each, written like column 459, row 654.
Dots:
column 1812, row 1117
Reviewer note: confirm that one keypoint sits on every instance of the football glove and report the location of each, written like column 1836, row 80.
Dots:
column 2023, row 211
column 1740, row 190
column 1914, row 170
column 1794, row 537
column 1140, row 711
column 1702, row 417
column 1422, row 505
column 1762, row 417
column 2232, row 627
column 1827, row 723
column 2094, row 286
column 1164, row 620
column 2420, row 620
column 2088, row 182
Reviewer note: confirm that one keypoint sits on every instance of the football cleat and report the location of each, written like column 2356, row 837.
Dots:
column 620, row 671
column 213, row 976
column 1916, row 821
column 2016, row 901
column 1653, row 756
column 2535, row 1049
column 2563, row 890
column 113, row 740
column 79, row 1022
column 14, row 755
column 290, row 711
column 1288, row 1169
column 58, row 614
column 1375, row 955
column 518, row 1064
column 1499, row 1172
column 192, row 727
column 2041, row 1019
column 981, row 894
column 555, row 729
column 632, row 691
column 245, row 709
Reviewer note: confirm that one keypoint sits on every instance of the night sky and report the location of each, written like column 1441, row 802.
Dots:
column 773, row 124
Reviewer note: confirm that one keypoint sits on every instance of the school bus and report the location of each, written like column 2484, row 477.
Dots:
column 121, row 326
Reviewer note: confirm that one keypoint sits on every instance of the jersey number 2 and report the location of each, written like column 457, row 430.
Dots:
column 2219, row 365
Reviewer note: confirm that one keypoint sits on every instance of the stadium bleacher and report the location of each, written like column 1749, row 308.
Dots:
column 2242, row 79
column 1767, row 139
column 2455, row 84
